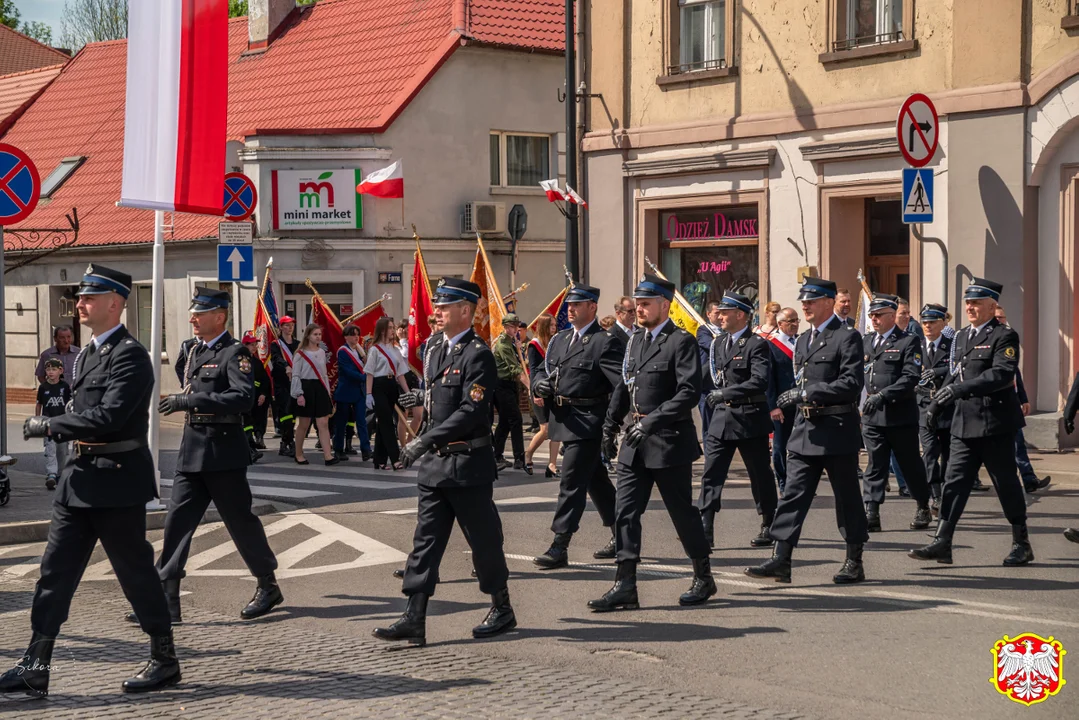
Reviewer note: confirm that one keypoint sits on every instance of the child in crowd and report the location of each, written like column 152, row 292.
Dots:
column 52, row 398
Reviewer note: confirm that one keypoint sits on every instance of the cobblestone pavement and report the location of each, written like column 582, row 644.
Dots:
column 255, row 670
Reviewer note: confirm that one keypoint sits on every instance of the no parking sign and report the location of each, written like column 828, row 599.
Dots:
column 20, row 185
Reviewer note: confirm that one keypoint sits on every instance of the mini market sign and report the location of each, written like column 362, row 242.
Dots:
column 317, row 199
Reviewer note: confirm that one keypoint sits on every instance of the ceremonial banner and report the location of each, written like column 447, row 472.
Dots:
column 174, row 117
column 265, row 331
column 332, row 333
column 418, row 311
column 489, row 310
column 556, row 309
column 366, row 318
column 682, row 312
column 269, row 300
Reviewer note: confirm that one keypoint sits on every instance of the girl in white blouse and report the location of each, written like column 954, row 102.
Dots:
column 311, row 391
column 386, row 368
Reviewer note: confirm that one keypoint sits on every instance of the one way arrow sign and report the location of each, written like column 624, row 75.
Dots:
column 235, row 263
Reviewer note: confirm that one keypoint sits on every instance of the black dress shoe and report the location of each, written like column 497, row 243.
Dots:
column 904, row 492
column 410, row 627
column 704, row 585
column 528, row 468
column 399, row 573
column 557, row 555
column 623, row 595
column 162, row 671
column 979, row 486
column 764, row 537
column 500, row 617
column 31, row 674
column 1021, row 553
column 501, row 464
column 518, row 464
column 607, row 552
column 778, row 567
column 923, row 518
column 872, row 516
column 852, row 570
column 1072, row 534
column 1038, row 484
column 267, row 597
column 333, row 461
column 365, row 457
column 549, row 473
column 941, row 547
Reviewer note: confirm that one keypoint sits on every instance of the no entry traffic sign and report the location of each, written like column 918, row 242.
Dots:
column 240, row 196
column 916, row 130
column 20, row 185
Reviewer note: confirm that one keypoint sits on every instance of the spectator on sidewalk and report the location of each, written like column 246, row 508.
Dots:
column 61, row 350
column 52, row 399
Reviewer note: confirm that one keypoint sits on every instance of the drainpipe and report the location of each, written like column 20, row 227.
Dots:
column 582, row 125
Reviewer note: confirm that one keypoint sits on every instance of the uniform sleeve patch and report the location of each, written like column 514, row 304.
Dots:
column 1009, row 352
column 245, row 365
column 476, row 392
column 918, row 359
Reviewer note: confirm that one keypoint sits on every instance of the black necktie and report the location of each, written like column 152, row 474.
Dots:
column 813, row 336
column 647, row 339
column 573, row 339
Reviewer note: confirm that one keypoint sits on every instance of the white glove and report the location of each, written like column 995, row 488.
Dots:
column 370, row 402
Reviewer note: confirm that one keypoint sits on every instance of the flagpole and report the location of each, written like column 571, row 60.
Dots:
column 367, row 309
column 681, row 299
column 156, row 317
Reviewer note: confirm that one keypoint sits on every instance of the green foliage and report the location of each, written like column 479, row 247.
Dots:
column 9, row 14
column 42, row 32
column 237, row 8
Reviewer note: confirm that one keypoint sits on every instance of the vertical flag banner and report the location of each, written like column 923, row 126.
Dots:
column 175, row 113
column 419, row 310
column 556, row 309
column 265, row 330
column 333, row 334
column 366, row 318
column 269, row 300
column 489, row 310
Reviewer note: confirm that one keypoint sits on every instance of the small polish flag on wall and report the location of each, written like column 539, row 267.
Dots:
column 175, row 113
column 554, row 193
column 574, row 198
column 389, row 182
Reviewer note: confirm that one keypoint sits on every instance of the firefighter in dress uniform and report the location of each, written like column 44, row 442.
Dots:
column 103, row 490
column 661, row 384
column 739, row 363
column 456, row 467
column 936, row 365
column 985, row 419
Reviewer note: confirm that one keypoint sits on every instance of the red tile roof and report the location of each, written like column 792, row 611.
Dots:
column 336, row 66
column 19, row 52
column 18, row 90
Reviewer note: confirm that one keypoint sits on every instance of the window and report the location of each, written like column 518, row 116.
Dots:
column 873, row 21
column 56, row 178
column 144, row 301
column 519, row 160
column 701, row 35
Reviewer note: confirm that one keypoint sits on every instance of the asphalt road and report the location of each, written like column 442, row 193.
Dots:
column 915, row 640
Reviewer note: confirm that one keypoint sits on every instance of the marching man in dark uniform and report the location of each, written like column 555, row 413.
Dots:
column 826, row 435
column 739, row 362
column 661, row 383
column 893, row 368
column 282, row 351
column 103, row 490
column 582, row 367
column 457, row 467
column 936, row 443
column 213, row 457
column 986, row 417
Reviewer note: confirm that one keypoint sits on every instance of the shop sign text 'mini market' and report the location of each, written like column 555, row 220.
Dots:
column 317, row 199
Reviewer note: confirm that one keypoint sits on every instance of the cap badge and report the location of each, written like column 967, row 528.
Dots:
column 90, row 269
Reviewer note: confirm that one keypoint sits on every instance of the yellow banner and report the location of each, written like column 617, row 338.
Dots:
column 681, row 317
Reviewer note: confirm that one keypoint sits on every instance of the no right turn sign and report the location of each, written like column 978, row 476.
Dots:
column 917, row 130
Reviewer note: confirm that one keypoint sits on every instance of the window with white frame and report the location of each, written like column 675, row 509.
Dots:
column 144, row 301
column 701, row 41
column 60, row 173
column 872, row 22
column 519, row 159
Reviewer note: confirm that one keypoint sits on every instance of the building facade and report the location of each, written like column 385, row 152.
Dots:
column 743, row 143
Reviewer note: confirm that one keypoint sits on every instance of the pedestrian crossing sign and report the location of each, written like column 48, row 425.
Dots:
column 917, row 195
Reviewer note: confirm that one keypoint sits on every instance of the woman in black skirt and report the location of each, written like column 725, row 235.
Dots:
column 311, row 393
column 537, row 349
column 386, row 368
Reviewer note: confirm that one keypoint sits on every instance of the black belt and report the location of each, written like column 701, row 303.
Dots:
column 561, row 400
column 751, row 400
column 111, row 448
column 212, row 419
column 462, row 447
column 809, row 411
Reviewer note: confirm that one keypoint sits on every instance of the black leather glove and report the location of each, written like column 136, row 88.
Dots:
column 1069, row 425
column 931, row 414
column 174, row 403
column 36, row 426
column 789, row 398
column 872, row 403
column 946, row 395
column 414, row 451
column 715, row 398
column 635, row 435
column 927, row 376
column 609, row 446
column 543, row 389
column 410, row 399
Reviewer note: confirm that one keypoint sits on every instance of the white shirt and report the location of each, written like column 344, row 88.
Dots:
column 377, row 364
column 658, row 328
column 881, row 338
column 210, row 343
column 628, row 330
column 973, row 330
column 454, row 340
column 933, row 345
column 98, row 340
column 734, row 336
column 820, row 328
column 580, row 333
column 785, row 337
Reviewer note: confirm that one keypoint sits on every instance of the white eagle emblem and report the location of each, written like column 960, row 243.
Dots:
column 1025, row 675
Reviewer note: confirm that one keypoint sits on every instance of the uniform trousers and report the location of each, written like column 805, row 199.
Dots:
column 997, row 453
column 781, row 433
column 258, row 416
column 231, row 495
column 717, row 463
column 631, row 500
column 385, row 391
column 282, row 401
column 507, row 402
column 73, row 533
column 881, row 442
column 706, row 415
column 936, row 448
column 474, row 510
column 583, row 475
column 803, row 477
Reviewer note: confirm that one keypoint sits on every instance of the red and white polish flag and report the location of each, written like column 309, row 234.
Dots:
column 389, row 182
column 554, row 193
column 177, row 97
column 574, row 198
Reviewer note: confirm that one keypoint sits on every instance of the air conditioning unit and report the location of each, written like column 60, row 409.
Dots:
column 484, row 217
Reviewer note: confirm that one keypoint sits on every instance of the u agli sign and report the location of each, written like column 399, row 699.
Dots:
column 317, row 199
column 732, row 223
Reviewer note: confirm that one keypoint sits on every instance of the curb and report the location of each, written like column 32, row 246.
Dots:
column 31, row 531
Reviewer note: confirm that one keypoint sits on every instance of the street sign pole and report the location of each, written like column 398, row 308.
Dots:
column 156, row 316
column 3, row 351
